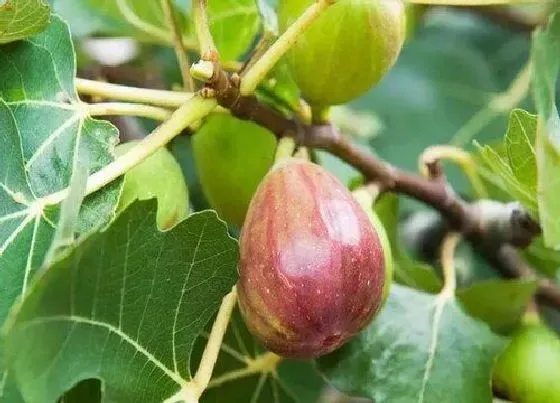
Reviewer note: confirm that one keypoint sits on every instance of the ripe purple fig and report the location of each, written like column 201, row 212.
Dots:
column 312, row 267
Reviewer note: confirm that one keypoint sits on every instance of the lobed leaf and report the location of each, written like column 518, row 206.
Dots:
column 45, row 135
column 125, row 306
column 422, row 348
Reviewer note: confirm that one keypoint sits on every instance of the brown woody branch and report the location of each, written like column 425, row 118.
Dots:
column 468, row 218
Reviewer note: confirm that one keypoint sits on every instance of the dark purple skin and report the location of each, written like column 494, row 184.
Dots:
column 312, row 270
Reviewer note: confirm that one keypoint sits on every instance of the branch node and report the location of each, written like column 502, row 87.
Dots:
column 207, row 92
column 203, row 70
column 434, row 170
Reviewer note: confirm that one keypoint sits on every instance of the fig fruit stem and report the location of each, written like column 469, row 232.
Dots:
column 256, row 73
column 448, row 248
column 177, row 38
column 531, row 315
column 206, row 44
column 170, row 99
column 191, row 391
column 264, row 363
column 459, row 157
column 192, row 111
column 214, row 343
column 285, row 149
column 128, row 109
column 320, row 114
column 303, row 153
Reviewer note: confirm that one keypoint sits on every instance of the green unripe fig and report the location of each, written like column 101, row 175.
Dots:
column 364, row 198
column 347, row 50
column 231, row 157
column 528, row 371
column 158, row 176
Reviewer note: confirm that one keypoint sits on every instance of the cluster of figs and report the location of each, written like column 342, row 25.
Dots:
column 315, row 265
column 313, row 268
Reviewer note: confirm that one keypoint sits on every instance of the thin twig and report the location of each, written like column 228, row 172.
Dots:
column 499, row 104
column 260, row 69
column 118, row 92
column 208, row 49
column 127, row 109
column 457, row 156
column 448, row 248
column 177, row 37
column 212, row 349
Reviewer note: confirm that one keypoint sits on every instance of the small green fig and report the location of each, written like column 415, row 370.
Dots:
column 158, row 176
column 364, row 198
column 231, row 157
column 347, row 50
column 528, row 371
column 312, row 267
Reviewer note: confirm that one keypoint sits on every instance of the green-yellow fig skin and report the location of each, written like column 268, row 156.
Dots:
column 158, row 176
column 347, row 50
column 231, row 157
column 528, row 371
column 312, row 268
column 366, row 201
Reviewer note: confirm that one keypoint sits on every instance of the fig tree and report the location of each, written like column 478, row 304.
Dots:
column 347, row 50
column 231, row 157
column 312, row 267
column 158, row 176
column 528, row 371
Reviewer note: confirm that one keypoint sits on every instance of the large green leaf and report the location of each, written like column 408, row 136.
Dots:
column 546, row 59
column 284, row 381
column 125, row 306
column 22, row 18
column 500, row 303
column 422, row 348
column 234, row 24
column 45, row 134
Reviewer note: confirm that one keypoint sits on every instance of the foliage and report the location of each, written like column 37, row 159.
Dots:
column 107, row 294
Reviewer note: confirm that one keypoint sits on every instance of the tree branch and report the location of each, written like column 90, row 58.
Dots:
column 470, row 219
